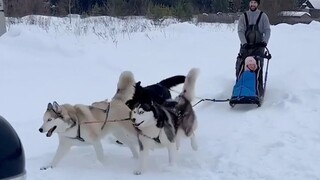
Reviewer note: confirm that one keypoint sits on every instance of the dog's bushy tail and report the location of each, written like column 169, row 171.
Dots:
column 125, row 87
column 172, row 81
column 188, row 90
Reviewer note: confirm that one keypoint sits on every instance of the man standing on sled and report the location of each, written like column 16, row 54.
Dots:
column 254, row 33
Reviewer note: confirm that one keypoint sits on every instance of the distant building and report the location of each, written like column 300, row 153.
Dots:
column 313, row 7
column 293, row 17
column 217, row 18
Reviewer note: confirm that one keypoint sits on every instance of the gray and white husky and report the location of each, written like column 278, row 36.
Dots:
column 88, row 124
column 164, row 125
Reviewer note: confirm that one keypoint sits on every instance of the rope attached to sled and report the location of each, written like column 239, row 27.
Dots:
column 115, row 120
column 212, row 100
column 204, row 99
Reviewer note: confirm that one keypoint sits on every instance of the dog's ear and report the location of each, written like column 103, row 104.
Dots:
column 56, row 107
column 131, row 104
column 138, row 85
column 49, row 107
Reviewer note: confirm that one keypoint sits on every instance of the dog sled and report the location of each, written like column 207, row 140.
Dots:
column 250, row 86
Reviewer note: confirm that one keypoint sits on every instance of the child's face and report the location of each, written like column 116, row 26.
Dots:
column 252, row 67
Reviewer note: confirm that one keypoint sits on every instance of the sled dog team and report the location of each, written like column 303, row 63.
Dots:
column 142, row 118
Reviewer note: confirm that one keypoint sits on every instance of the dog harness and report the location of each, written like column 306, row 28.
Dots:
column 102, row 127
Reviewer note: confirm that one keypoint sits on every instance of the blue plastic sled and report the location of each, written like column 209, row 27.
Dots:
column 245, row 90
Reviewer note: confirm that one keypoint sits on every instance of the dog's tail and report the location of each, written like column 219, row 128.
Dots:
column 125, row 87
column 188, row 90
column 172, row 81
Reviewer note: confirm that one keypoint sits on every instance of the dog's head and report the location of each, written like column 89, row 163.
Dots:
column 55, row 119
column 144, row 115
column 181, row 102
column 140, row 96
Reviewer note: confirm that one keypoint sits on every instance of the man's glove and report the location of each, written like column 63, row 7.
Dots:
column 247, row 46
column 262, row 44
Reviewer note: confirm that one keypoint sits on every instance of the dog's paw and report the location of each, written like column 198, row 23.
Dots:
column 194, row 145
column 137, row 172
column 102, row 160
column 135, row 156
column 46, row 167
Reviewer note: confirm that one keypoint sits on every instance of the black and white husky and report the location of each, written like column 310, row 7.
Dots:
column 164, row 125
column 158, row 92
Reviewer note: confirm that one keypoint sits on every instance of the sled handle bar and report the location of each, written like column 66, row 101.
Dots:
column 267, row 54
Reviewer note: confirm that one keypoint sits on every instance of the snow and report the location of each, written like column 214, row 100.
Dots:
column 54, row 62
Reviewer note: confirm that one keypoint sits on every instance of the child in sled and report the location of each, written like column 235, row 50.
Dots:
column 250, row 64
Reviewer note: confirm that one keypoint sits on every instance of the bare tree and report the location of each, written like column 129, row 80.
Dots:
column 237, row 5
column 19, row 8
column 63, row 8
column 36, row 7
column 14, row 8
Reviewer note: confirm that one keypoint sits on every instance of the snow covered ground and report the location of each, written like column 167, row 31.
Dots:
column 64, row 63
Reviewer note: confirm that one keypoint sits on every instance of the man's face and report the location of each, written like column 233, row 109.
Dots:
column 253, row 5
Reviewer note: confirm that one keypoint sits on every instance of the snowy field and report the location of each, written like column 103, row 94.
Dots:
column 81, row 62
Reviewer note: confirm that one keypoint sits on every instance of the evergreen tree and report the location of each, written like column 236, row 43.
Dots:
column 220, row 6
column 244, row 5
column 183, row 9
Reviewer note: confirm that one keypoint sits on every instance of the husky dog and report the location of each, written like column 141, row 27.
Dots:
column 163, row 125
column 159, row 92
column 86, row 125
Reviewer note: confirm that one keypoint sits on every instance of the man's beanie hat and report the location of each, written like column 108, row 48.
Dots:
column 258, row 1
